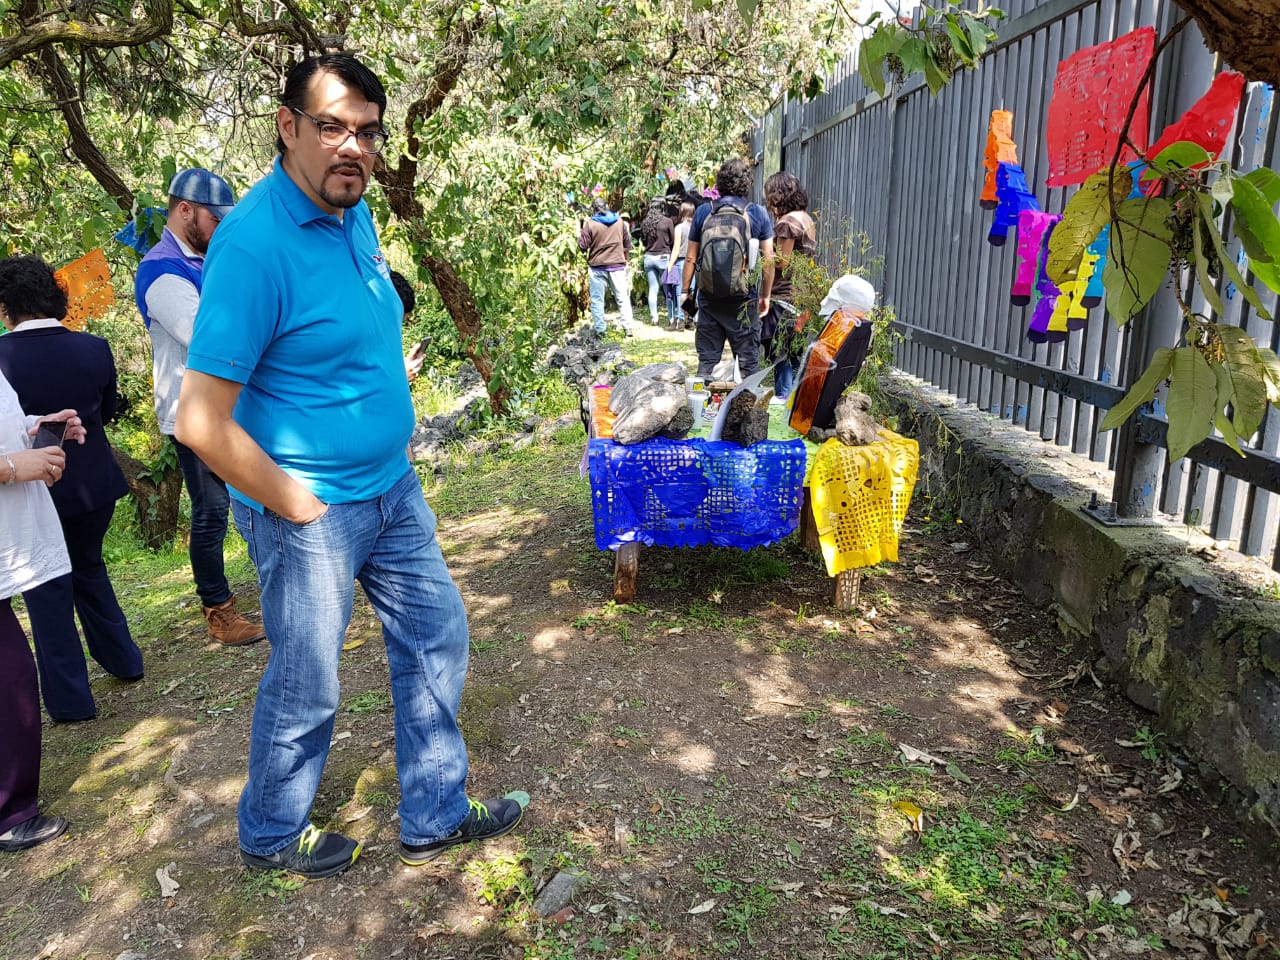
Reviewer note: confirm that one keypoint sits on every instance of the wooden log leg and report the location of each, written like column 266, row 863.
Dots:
column 626, row 570
column 847, row 586
column 808, row 525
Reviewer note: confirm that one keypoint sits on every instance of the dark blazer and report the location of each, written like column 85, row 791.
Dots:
column 52, row 369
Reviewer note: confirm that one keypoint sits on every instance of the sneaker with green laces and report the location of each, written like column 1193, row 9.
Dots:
column 316, row 854
column 485, row 821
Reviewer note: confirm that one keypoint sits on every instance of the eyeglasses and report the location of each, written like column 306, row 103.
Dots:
column 335, row 134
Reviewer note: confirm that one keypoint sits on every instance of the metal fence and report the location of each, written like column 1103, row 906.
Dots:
column 905, row 170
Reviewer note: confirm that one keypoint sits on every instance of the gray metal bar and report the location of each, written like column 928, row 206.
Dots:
column 1018, row 368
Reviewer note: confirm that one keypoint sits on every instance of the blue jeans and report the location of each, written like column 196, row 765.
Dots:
column 209, row 504
column 654, row 267
column 306, row 573
column 598, row 280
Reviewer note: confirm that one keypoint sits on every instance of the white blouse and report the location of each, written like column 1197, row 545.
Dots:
column 31, row 546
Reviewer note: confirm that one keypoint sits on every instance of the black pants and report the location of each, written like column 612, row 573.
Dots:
column 737, row 321
column 85, row 592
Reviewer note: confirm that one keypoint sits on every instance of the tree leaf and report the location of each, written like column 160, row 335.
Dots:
column 1268, row 273
column 1222, row 188
column 1182, row 155
column 1267, row 181
column 1256, row 225
column 1191, row 401
column 871, row 54
column 914, row 55
column 1207, row 286
column 959, row 39
column 1220, row 419
column 1138, row 260
column 935, row 77
column 1205, row 204
column 1270, row 373
column 979, row 34
column 1142, row 391
column 1086, row 213
column 1248, row 387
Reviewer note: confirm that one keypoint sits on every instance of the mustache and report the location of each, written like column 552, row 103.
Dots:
column 347, row 168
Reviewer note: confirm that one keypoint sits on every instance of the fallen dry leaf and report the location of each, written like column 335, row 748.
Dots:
column 168, row 886
column 1112, row 812
column 912, row 755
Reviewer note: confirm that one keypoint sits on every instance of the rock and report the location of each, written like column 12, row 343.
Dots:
column 650, row 410
column 666, row 372
column 854, row 425
column 680, row 424
column 746, row 422
column 558, row 893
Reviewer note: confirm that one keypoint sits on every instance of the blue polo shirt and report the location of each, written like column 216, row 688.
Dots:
column 298, row 306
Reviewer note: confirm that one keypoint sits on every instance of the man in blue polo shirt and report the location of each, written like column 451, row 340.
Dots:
column 295, row 395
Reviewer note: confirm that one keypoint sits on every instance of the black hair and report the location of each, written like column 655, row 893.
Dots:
column 783, row 193
column 345, row 67
column 28, row 290
column 652, row 218
column 598, row 205
column 733, row 179
column 405, row 289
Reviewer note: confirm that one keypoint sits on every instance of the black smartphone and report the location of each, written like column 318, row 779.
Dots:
column 420, row 347
column 50, row 434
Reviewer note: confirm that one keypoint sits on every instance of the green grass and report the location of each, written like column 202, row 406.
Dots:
column 534, row 481
column 371, row 701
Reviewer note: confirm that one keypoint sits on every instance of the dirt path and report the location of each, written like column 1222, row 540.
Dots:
column 723, row 762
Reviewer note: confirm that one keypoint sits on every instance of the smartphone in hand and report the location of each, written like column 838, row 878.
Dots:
column 50, row 434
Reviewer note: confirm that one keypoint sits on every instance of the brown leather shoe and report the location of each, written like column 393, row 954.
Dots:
column 229, row 628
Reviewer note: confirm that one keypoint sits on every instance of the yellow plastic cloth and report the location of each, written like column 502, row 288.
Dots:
column 860, row 497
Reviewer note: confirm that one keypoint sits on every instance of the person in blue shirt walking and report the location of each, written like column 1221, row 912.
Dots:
column 295, row 394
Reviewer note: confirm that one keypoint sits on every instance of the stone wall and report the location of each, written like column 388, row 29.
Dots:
column 1181, row 627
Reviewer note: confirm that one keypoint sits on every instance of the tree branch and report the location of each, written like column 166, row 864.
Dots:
column 157, row 23
column 82, row 143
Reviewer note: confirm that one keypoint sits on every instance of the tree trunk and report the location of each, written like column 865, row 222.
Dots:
column 82, row 144
column 155, row 500
column 1244, row 32
column 458, row 300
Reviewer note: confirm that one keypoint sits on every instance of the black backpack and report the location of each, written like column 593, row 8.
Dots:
column 722, row 255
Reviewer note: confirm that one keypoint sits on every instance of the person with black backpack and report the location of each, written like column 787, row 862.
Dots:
column 726, row 238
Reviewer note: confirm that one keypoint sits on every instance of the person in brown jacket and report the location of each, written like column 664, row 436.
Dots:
column 607, row 243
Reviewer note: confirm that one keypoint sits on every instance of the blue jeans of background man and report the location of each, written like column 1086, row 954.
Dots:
column 306, row 573
column 209, row 505
column 600, row 279
column 654, row 267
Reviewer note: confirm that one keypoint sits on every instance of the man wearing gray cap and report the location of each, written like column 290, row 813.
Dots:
column 167, row 291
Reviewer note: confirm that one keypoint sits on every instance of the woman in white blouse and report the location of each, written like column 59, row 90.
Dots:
column 31, row 552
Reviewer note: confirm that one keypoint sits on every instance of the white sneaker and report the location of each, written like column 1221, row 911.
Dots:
column 777, row 401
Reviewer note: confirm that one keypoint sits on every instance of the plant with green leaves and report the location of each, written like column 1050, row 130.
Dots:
column 942, row 39
column 1170, row 232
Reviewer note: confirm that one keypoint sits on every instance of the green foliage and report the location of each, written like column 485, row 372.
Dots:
column 1086, row 213
column 1220, row 378
column 1138, row 260
column 945, row 38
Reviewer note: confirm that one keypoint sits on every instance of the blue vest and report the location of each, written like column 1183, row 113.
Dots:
column 165, row 257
